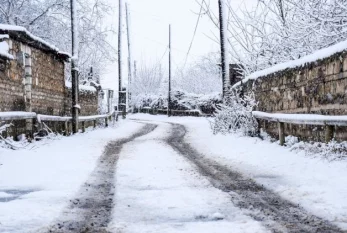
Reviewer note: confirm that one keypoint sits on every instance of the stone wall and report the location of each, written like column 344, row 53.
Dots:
column 87, row 99
column 315, row 88
column 49, row 95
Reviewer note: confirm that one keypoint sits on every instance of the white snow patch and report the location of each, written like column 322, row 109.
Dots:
column 4, row 50
column 7, row 27
column 45, row 178
column 81, row 87
column 315, row 184
column 157, row 190
column 313, row 119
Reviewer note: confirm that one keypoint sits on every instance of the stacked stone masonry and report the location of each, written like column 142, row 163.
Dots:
column 315, row 88
column 49, row 95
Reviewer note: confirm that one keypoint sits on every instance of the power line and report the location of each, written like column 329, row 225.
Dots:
column 196, row 28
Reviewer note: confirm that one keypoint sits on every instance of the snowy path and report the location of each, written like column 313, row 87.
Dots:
column 91, row 210
column 263, row 205
column 158, row 190
column 145, row 176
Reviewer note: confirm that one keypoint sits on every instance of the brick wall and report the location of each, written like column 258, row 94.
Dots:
column 316, row 88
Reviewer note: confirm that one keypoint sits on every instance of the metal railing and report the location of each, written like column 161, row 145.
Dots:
column 303, row 119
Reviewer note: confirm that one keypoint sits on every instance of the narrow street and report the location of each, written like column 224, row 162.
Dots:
column 155, row 181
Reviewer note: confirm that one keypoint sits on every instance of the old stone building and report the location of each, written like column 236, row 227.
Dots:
column 32, row 77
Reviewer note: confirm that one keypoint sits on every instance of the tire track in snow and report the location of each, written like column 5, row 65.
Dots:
column 277, row 214
column 91, row 210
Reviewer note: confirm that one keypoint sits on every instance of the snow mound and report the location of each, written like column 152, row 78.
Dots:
column 81, row 87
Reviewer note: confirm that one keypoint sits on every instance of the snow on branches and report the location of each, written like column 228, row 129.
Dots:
column 235, row 115
column 50, row 20
column 276, row 31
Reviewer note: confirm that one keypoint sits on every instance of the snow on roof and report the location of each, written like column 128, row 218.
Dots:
column 81, row 87
column 319, row 54
column 13, row 28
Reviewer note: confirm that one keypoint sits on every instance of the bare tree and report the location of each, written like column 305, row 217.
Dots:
column 50, row 20
column 276, row 31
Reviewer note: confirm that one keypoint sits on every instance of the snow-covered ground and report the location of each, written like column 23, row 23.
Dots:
column 157, row 190
column 316, row 184
column 36, row 184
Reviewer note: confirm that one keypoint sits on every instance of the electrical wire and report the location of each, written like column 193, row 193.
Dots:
column 195, row 30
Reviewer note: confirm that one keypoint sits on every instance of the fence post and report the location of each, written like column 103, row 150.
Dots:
column 70, row 127
column 258, row 126
column 329, row 133
column 94, row 123
column 83, row 126
column 124, row 113
column 66, row 126
column 106, row 121
column 281, row 133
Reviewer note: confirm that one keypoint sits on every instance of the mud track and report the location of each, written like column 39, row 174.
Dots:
column 276, row 213
column 91, row 210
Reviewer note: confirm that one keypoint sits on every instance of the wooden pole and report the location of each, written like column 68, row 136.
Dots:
column 281, row 133
column 83, row 126
column 106, row 121
column 66, row 125
column 74, row 67
column 329, row 133
column 169, row 92
column 222, row 30
column 120, row 55
column 135, row 71
column 129, row 53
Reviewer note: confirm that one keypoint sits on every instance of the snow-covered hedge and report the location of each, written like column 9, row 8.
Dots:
column 180, row 101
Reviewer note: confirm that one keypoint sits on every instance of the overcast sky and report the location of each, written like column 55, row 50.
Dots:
column 150, row 21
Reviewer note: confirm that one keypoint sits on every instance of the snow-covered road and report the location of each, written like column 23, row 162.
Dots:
column 157, row 190
column 153, row 174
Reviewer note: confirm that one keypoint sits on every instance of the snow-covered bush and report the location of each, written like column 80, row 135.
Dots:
column 235, row 115
column 180, row 101
column 330, row 151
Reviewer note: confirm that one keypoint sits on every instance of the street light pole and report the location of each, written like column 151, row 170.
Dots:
column 74, row 67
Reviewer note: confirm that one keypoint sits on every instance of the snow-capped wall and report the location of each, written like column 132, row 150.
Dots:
column 316, row 84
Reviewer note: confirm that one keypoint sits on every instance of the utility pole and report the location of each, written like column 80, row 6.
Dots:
column 74, row 67
column 120, row 56
column 129, row 53
column 135, row 71
column 169, row 94
column 223, row 30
